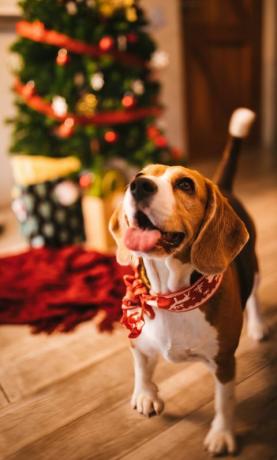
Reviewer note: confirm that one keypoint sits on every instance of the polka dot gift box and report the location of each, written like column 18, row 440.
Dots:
column 47, row 200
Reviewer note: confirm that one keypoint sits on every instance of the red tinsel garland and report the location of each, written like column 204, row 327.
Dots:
column 112, row 117
column 56, row 289
column 36, row 31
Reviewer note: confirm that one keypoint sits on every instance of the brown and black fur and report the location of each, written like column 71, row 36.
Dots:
column 246, row 262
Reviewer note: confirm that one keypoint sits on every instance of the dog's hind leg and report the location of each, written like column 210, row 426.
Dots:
column 145, row 396
column 256, row 326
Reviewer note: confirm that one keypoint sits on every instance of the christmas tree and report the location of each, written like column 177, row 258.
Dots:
column 85, row 85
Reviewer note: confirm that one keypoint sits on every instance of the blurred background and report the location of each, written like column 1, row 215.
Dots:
column 66, row 395
column 222, row 54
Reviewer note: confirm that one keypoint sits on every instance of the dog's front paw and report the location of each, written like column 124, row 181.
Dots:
column 219, row 442
column 147, row 403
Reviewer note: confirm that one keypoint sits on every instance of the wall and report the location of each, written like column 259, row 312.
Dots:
column 6, row 108
column 166, row 28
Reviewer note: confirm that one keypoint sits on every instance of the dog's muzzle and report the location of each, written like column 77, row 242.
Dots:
column 142, row 189
column 143, row 235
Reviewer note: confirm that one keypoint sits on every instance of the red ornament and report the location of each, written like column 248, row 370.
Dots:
column 153, row 132
column 66, row 129
column 128, row 101
column 106, row 43
column 111, row 136
column 155, row 135
column 132, row 37
column 62, row 57
column 86, row 179
column 161, row 141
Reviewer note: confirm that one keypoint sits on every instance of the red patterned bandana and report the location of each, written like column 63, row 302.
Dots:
column 137, row 301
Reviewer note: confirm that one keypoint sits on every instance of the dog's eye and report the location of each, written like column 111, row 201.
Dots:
column 185, row 184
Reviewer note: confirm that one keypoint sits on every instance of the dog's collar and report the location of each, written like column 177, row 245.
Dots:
column 139, row 302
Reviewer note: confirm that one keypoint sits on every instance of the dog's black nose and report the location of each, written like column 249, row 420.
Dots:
column 142, row 188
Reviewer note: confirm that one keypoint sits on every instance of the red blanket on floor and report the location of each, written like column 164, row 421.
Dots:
column 56, row 289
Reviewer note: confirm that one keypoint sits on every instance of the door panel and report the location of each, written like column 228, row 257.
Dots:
column 222, row 56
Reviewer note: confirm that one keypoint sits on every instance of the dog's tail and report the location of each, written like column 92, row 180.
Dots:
column 239, row 127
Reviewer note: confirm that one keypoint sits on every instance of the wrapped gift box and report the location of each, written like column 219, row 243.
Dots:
column 47, row 200
column 97, row 212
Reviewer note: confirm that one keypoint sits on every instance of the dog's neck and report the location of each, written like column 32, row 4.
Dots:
column 167, row 274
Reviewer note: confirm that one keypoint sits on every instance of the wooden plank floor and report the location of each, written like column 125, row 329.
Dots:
column 67, row 396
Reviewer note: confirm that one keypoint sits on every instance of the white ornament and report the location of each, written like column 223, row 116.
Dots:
column 160, row 59
column 138, row 87
column 71, row 8
column 97, row 81
column 66, row 193
column 59, row 106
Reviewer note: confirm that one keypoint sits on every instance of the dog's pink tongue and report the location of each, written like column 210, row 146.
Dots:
column 137, row 239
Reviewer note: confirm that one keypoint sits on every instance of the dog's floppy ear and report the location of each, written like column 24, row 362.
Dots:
column 117, row 226
column 221, row 236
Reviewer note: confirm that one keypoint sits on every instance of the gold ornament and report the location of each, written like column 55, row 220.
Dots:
column 87, row 104
column 131, row 14
column 108, row 7
column 128, row 3
column 79, row 79
column 138, row 87
column 71, row 8
column 113, row 181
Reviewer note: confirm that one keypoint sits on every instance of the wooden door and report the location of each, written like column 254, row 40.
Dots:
column 222, row 68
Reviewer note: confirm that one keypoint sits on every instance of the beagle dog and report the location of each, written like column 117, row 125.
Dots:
column 192, row 245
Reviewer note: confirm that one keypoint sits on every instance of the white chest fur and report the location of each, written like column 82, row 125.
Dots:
column 179, row 336
column 176, row 336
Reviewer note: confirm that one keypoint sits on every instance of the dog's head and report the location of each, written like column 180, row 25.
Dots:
column 176, row 211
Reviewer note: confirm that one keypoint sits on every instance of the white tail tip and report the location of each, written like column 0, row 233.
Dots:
column 241, row 122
